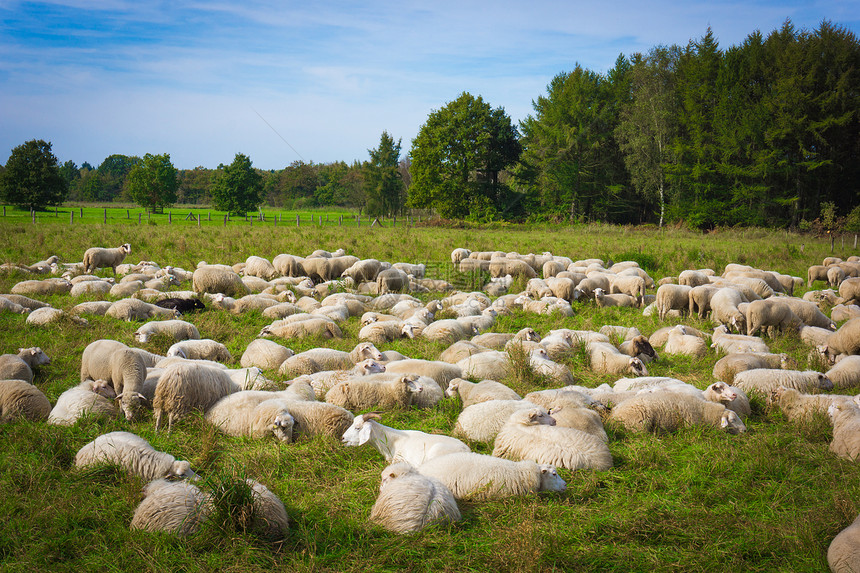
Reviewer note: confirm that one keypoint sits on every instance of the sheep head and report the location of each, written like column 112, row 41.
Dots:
column 732, row 423
column 453, row 385
column 723, row 392
column 360, row 431
column 550, row 480
column 637, row 368
column 282, row 426
column 181, row 469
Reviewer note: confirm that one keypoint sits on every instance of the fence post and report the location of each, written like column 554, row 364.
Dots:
column 210, row 215
column 297, row 220
column 340, row 221
column 139, row 215
column 169, row 217
column 71, row 217
column 252, row 221
column 127, row 214
column 33, row 212
column 82, row 212
column 105, row 216
column 4, row 210
column 225, row 220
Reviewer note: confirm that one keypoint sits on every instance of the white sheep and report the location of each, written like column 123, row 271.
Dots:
column 843, row 554
column 20, row 366
column 90, row 397
column 498, row 340
column 132, row 309
column 651, row 412
column 770, row 315
column 318, row 326
column 607, row 359
column 448, row 330
column 842, row 312
column 218, row 279
column 325, row 380
column 200, row 349
column 542, row 365
column 375, row 390
column 474, row 393
column 386, row 331
column 800, row 407
column 123, row 367
column 737, row 343
column 133, row 454
column 175, row 329
column 481, row 422
column 724, row 308
column 492, row 364
column 606, row 300
column 766, row 380
column 410, row 446
column 409, row 501
column 184, row 387
column 441, row 372
column 672, row 297
column 846, row 373
column 729, row 365
column 460, row 350
column 97, row 257
column 48, row 315
column 479, row 477
column 20, row 399
column 845, row 417
column 236, row 416
column 42, row 287
column 846, row 340
column 265, row 354
column 177, row 507
column 329, row 359
column 92, row 288
column 259, row 267
column 532, row 435
column 679, row 342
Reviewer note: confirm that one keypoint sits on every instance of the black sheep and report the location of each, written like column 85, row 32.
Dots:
column 181, row 305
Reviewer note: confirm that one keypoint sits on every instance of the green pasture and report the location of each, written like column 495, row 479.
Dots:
column 697, row 500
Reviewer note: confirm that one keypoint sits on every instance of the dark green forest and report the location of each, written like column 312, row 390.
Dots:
column 765, row 133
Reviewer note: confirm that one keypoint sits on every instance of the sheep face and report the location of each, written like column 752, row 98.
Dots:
column 723, row 392
column 368, row 350
column 358, row 433
column 282, row 426
column 393, row 472
column 824, row 382
column 550, row 480
column 540, row 417
column 34, row 356
column 453, row 385
column 181, row 470
column 732, row 423
column 370, row 366
column 637, row 368
column 103, row 388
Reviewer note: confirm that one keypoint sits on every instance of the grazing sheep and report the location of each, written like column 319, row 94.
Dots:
column 123, row 367
column 259, row 267
column 133, row 454
column 846, row 373
column 771, row 315
column 409, row 501
column 474, row 393
column 679, row 342
column 391, row 280
column 377, row 390
column 201, row 349
column 724, row 308
column 766, row 380
column 20, row 366
column 808, row 312
column 97, row 257
column 801, row 408
column 177, row 507
column 727, row 367
column 237, row 416
column 845, row 417
column 672, row 297
column 501, row 266
column 365, row 270
column 409, row 446
column 20, row 399
column 91, row 397
column 176, row 329
column 607, row 359
column 651, row 412
column 846, row 340
column 532, row 435
column 132, row 309
column 186, row 386
column 222, row 279
column 265, row 354
column 843, row 554
column 632, row 285
column 479, row 477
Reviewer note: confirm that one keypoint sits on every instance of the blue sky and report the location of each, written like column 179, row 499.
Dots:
column 205, row 80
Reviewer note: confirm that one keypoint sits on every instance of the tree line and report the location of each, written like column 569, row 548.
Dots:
column 763, row 133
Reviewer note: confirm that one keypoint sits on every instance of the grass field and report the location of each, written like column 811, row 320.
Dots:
column 697, row 500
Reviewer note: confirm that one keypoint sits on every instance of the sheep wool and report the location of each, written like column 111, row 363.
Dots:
column 409, row 501
column 843, row 555
column 123, row 367
column 133, row 454
column 532, row 435
column 845, row 417
column 257, row 420
column 376, row 390
column 20, row 399
column 474, row 393
column 184, row 387
column 654, row 412
column 92, row 397
column 766, row 380
column 20, row 366
column 178, row 507
column 97, row 257
column 480, row 477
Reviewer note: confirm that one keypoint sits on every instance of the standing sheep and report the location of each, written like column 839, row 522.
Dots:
column 97, row 257
column 133, row 454
column 771, row 315
column 479, row 477
column 184, row 387
column 19, row 399
column 672, row 297
column 409, row 501
column 222, row 279
column 724, row 309
column 123, row 367
column 532, row 435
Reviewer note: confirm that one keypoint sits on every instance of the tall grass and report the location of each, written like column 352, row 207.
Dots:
column 696, row 500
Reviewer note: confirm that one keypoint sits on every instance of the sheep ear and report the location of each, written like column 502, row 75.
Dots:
column 364, row 434
column 724, row 421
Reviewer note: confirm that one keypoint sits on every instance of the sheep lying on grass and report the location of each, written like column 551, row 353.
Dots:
column 238, row 417
column 133, row 454
column 653, row 412
column 766, row 380
column 410, row 446
column 474, row 393
column 845, row 417
column 843, row 554
column 20, row 399
column 376, row 390
column 727, row 367
column 801, row 408
column 201, row 349
column 178, row 507
column 480, row 477
column 20, row 366
column 175, row 329
column 481, row 422
column 532, row 435
column 90, row 397
column 409, row 501
column 265, row 354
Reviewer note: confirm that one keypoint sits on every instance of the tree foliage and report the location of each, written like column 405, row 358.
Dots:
column 152, row 182
column 458, row 156
column 32, row 178
column 384, row 188
column 238, row 188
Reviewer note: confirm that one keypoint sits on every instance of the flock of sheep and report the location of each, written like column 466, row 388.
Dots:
column 532, row 435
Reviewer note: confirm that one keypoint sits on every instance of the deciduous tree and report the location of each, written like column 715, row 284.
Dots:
column 152, row 182
column 32, row 178
column 238, row 188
